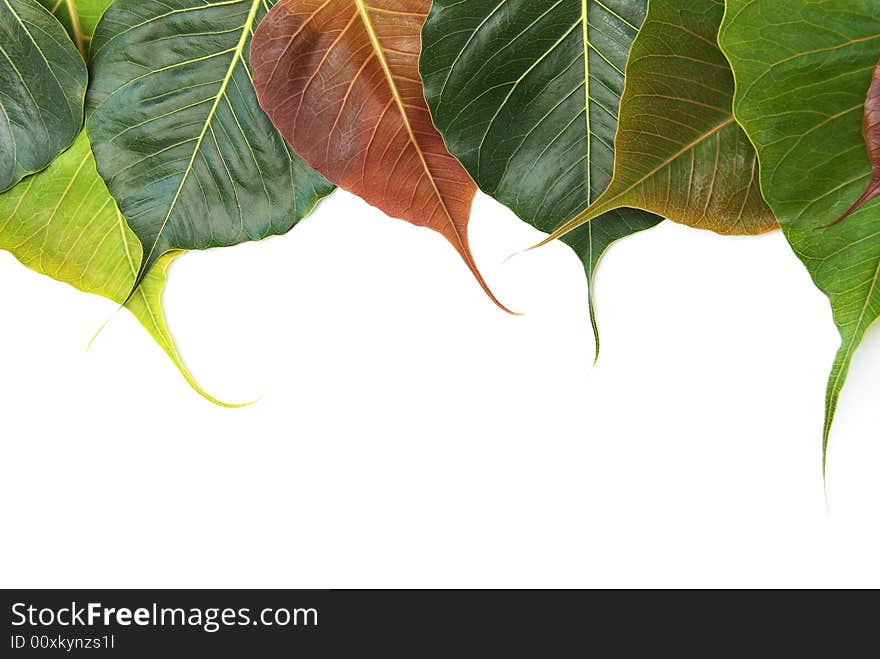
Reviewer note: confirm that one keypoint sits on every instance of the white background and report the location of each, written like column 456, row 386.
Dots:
column 412, row 435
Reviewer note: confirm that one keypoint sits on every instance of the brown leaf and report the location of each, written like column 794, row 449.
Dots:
column 872, row 140
column 340, row 79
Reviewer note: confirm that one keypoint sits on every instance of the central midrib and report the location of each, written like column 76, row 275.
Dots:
column 586, row 24
column 612, row 202
column 239, row 49
column 363, row 11
column 75, row 25
column 608, row 204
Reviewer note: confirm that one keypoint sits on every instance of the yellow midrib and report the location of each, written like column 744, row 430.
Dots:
column 586, row 24
column 603, row 206
column 239, row 49
column 363, row 10
column 76, row 26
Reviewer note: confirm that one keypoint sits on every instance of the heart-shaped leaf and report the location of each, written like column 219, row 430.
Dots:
column 178, row 134
column 62, row 222
column 679, row 151
column 526, row 96
column 803, row 71
column 42, row 86
column 80, row 17
column 340, row 80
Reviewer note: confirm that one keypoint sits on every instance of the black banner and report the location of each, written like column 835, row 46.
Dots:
column 163, row 623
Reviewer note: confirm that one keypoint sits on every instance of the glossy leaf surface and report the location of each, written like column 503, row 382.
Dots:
column 62, row 222
column 680, row 153
column 803, row 71
column 42, row 87
column 340, row 80
column 526, row 96
column 177, row 132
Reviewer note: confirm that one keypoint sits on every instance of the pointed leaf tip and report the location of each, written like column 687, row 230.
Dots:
column 526, row 96
column 340, row 80
column 872, row 141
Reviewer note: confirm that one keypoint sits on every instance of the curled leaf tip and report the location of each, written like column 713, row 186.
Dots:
column 594, row 324
column 101, row 329
column 498, row 302
column 539, row 245
column 510, row 257
column 871, row 131
column 340, row 80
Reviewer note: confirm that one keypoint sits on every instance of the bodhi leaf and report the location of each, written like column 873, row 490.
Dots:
column 526, row 96
column 79, row 17
column 679, row 151
column 42, row 87
column 178, row 134
column 63, row 223
column 340, row 80
column 803, row 71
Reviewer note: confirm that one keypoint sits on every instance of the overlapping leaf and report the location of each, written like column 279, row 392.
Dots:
column 679, row 151
column 803, row 71
column 871, row 131
column 340, row 79
column 42, row 86
column 526, row 96
column 80, row 17
column 178, row 134
column 63, row 223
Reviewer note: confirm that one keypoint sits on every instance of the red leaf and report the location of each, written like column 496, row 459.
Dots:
column 872, row 140
column 340, row 79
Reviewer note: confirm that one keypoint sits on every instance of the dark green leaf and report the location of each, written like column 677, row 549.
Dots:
column 177, row 131
column 42, row 86
column 526, row 95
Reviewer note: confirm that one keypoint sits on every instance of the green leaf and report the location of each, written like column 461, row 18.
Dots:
column 178, row 134
column 80, row 17
column 680, row 153
column 803, row 71
column 63, row 223
column 42, row 86
column 526, row 96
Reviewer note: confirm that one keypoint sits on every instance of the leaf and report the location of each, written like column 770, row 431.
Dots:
column 871, row 131
column 340, row 80
column 42, row 86
column 178, row 136
column 79, row 17
column 526, row 96
column 680, row 153
column 63, row 223
column 802, row 73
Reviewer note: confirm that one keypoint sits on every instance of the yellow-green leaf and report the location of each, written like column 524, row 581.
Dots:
column 63, row 223
column 80, row 17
